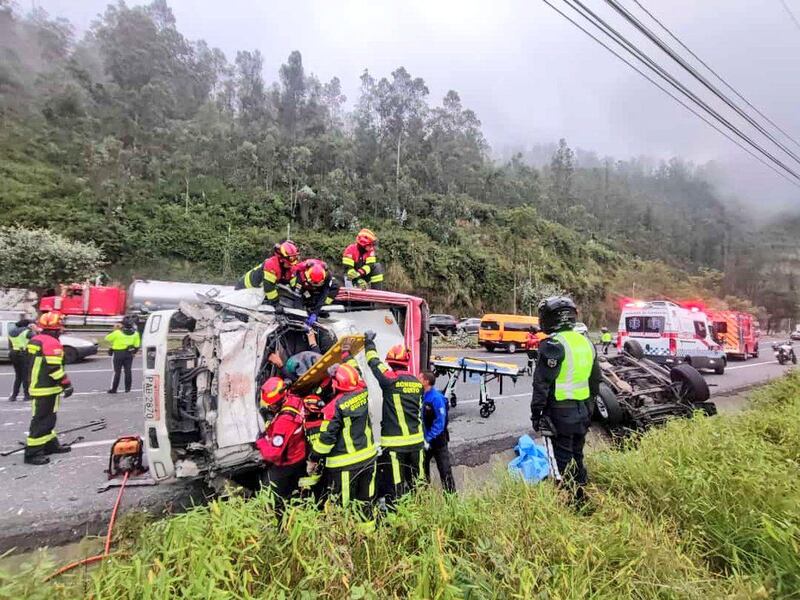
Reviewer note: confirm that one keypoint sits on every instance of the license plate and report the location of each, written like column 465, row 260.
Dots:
column 150, row 387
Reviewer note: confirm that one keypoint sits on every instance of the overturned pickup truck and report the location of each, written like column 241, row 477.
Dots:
column 637, row 393
column 201, row 392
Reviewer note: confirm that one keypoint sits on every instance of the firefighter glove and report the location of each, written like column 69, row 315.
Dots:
column 362, row 284
column 68, row 390
column 312, row 318
column 369, row 335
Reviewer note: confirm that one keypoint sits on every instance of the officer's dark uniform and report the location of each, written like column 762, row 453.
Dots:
column 402, row 436
column 125, row 343
column 565, row 381
column 18, row 337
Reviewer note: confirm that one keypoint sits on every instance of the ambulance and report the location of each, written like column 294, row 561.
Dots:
column 670, row 334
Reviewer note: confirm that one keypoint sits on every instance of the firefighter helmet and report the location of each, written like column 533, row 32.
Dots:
column 398, row 355
column 345, row 379
column 287, row 252
column 51, row 320
column 316, row 273
column 313, row 403
column 273, row 391
column 366, row 238
column 557, row 313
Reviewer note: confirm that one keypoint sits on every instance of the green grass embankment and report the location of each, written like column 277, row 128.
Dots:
column 702, row 509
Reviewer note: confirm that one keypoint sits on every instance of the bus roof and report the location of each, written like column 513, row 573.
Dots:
column 510, row 318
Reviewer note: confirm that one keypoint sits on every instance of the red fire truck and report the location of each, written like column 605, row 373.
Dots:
column 737, row 332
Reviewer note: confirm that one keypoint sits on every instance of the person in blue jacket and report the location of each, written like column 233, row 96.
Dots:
column 434, row 422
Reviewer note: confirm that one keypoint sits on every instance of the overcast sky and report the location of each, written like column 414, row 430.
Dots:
column 530, row 75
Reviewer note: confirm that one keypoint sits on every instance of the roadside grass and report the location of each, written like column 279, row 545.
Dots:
column 708, row 508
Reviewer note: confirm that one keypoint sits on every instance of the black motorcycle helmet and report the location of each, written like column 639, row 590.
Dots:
column 557, row 313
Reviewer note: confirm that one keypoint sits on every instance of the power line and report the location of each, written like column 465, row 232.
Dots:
column 648, row 33
column 671, row 95
column 790, row 13
column 717, row 75
column 639, row 55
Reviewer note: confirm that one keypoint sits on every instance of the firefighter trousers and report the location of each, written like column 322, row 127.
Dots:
column 283, row 481
column 19, row 360
column 123, row 359
column 441, row 454
column 42, row 438
column 398, row 473
column 356, row 485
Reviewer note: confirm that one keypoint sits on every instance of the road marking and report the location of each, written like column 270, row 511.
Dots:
column 92, row 393
column 75, row 371
column 761, row 364
column 476, row 400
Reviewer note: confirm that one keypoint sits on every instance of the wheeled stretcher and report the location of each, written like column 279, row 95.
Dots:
column 487, row 370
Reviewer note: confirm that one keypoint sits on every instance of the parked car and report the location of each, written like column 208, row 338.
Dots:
column 75, row 348
column 470, row 325
column 795, row 335
column 443, row 324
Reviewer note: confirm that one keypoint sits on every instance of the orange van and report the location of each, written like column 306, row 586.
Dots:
column 509, row 332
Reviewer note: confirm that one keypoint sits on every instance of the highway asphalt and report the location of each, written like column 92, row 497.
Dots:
column 38, row 500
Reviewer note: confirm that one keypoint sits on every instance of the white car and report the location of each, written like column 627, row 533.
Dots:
column 201, row 398
column 75, row 348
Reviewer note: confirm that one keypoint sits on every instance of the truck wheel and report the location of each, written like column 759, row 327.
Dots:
column 794, row 358
column 489, row 348
column 512, row 348
column 755, row 352
column 453, row 400
column 721, row 369
column 633, row 348
column 607, row 408
column 691, row 384
column 70, row 355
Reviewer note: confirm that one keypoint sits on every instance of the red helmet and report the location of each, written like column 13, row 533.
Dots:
column 273, row 391
column 287, row 252
column 398, row 355
column 51, row 320
column 346, row 379
column 313, row 403
column 366, row 238
column 316, row 272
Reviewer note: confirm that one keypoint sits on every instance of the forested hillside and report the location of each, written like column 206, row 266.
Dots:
column 181, row 162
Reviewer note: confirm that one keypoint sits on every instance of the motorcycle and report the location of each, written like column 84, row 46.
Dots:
column 784, row 352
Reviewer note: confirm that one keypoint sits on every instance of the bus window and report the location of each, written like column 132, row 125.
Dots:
column 490, row 325
column 516, row 326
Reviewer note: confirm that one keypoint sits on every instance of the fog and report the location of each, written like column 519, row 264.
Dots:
column 531, row 76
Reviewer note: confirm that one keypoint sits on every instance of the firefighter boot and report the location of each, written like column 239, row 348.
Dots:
column 36, row 459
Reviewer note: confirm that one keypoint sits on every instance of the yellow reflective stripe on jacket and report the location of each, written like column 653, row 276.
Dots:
column 35, row 390
column 401, row 415
column 348, row 262
column 346, row 460
column 371, row 260
column 270, row 277
column 353, row 274
column 328, row 300
column 41, row 440
column 319, row 446
column 271, row 294
column 394, row 441
column 366, row 269
column 348, row 438
column 372, row 354
column 376, row 278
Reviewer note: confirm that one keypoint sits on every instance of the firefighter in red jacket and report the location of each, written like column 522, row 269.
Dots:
column 345, row 441
column 277, row 269
column 402, row 435
column 360, row 262
column 48, row 382
column 283, row 445
column 317, row 286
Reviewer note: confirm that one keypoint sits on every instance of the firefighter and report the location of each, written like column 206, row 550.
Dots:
column 48, row 382
column 345, row 441
column 283, row 445
column 125, row 342
column 605, row 339
column 18, row 336
column 360, row 263
column 402, row 436
column 317, row 286
column 277, row 269
column 565, row 381
column 314, row 482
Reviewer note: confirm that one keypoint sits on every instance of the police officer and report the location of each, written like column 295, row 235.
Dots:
column 48, row 381
column 125, row 341
column 565, row 382
column 605, row 339
column 402, row 435
column 18, row 336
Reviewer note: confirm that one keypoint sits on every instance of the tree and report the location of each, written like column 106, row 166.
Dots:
column 562, row 169
column 39, row 258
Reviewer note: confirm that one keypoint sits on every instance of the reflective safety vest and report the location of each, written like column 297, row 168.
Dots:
column 120, row 340
column 47, row 375
column 572, row 382
column 606, row 338
column 345, row 436
column 20, row 342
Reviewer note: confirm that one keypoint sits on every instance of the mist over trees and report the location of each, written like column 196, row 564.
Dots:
column 179, row 161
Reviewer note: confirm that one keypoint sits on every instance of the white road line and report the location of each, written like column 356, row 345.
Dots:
column 75, row 371
column 761, row 364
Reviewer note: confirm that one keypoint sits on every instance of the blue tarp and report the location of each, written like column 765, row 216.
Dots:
column 531, row 462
